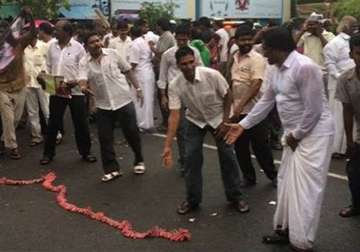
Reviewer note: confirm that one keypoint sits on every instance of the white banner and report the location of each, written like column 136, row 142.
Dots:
column 180, row 12
column 242, row 8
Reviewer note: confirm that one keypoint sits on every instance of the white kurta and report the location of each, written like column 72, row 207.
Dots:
column 298, row 90
column 141, row 54
column 337, row 61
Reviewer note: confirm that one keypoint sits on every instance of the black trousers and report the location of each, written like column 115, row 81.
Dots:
column 257, row 136
column 353, row 172
column 106, row 123
column 79, row 117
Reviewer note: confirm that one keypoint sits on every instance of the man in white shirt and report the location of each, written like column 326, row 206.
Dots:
column 338, row 61
column 223, row 43
column 207, row 98
column 35, row 64
column 168, row 72
column 63, row 60
column 140, row 56
column 106, row 73
column 122, row 42
column 295, row 84
column 313, row 38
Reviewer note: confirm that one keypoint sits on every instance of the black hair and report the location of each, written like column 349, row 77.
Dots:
column 206, row 36
column 140, row 22
column 122, row 25
column 183, row 29
column 46, row 28
column 88, row 35
column 243, row 30
column 279, row 38
column 68, row 28
column 204, row 21
column 182, row 52
column 135, row 31
column 164, row 23
column 354, row 41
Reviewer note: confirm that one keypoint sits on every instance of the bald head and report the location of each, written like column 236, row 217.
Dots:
column 63, row 30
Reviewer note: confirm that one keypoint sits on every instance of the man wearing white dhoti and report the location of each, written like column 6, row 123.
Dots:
column 140, row 56
column 338, row 61
column 295, row 84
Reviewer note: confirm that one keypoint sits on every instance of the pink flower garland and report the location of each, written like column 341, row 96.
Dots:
column 124, row 226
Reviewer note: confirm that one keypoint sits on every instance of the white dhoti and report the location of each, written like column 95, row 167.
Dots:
column 301, row 184
column 336, row 109
column 145, row 113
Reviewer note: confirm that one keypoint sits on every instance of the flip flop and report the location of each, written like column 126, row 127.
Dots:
column 110, row 176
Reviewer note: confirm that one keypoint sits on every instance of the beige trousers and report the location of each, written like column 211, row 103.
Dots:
column 11, row 109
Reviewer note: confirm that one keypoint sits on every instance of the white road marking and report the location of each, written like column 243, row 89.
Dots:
column 212, row 147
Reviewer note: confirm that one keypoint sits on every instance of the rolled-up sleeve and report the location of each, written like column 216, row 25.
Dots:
column 174, row 98
column 310, row 86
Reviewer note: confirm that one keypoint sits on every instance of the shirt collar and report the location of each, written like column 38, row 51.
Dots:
column 197, row 75
column 344, row 36
column 289, row 60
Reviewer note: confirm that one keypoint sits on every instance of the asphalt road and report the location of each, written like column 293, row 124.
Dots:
column 30, row 219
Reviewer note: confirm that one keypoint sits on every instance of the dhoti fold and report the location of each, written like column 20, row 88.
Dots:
column 301, row 184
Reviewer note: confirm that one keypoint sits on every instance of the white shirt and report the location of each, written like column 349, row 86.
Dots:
column 168, row 66
column 224, row 40
column 337, row 57
column 151, row 37
column 65, row 62
column 34, row 62
column 140, row 54
column 203, row 99
column 122, row 47
column 298, row 90
column 112, row 91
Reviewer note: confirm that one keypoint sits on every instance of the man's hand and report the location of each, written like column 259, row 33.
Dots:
column 292, row 142
column 41, row 81
column 234, row 132
column 140, row 96
column 221, row 130
column 164, row 102
column 86, row 90
column 167, row 159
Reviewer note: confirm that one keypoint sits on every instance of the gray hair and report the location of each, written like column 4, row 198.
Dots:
column 345, row 23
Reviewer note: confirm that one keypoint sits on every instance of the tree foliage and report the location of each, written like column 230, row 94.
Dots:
column 347, row 7
column 42, row 8
column 152, row 11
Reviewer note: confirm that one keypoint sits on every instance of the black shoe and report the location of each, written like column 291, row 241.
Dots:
column 45, row 160
column 247, row 183
column 186, row 208
column 241, row 206
column 276, row 238
column 89, row 158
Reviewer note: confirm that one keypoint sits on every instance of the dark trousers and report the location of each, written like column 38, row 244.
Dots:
column 257, row 136
column 353, row 172
column 79, row 117
column 106, row 123
column 180, row 139
column 229, row 166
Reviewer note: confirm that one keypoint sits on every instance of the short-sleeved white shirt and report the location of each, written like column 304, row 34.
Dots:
column 203, row 99
column 110, row 86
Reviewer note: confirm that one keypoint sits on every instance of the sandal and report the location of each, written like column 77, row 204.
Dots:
column 275, row 239
column 110, row 176
column 349, row 211
column 14, row 154
column 34, row 143
column 139, row 168
column 45, row 160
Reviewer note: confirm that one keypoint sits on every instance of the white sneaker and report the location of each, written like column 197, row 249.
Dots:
column 139, row 168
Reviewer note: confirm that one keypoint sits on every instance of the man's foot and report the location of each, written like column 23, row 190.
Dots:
column 89, row 158
column 247, row 183
column 185, row 208
column 45, row 160
column 349, row 211
column 297, row 249
column 338, row 156
column 35, row 143
column 276, row 238
column 241, row 206
column 111, row 176
column 139, row 168
column 14, row 154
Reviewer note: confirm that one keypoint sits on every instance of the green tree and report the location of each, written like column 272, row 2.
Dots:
column 151, row 11
column 347, row 7
column 42, row 8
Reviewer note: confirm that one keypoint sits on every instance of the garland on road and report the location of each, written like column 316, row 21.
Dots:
column 123, row 226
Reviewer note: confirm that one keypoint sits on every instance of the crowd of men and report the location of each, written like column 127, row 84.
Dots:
column 246, row 87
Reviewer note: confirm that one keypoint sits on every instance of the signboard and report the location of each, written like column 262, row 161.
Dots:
column 180, row 12
column 242, row 8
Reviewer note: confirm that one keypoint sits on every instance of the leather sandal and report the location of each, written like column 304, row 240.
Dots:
column 349, row 211
column 276, row 238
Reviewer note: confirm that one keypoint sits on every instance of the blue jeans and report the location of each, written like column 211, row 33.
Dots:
column 229, row 166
